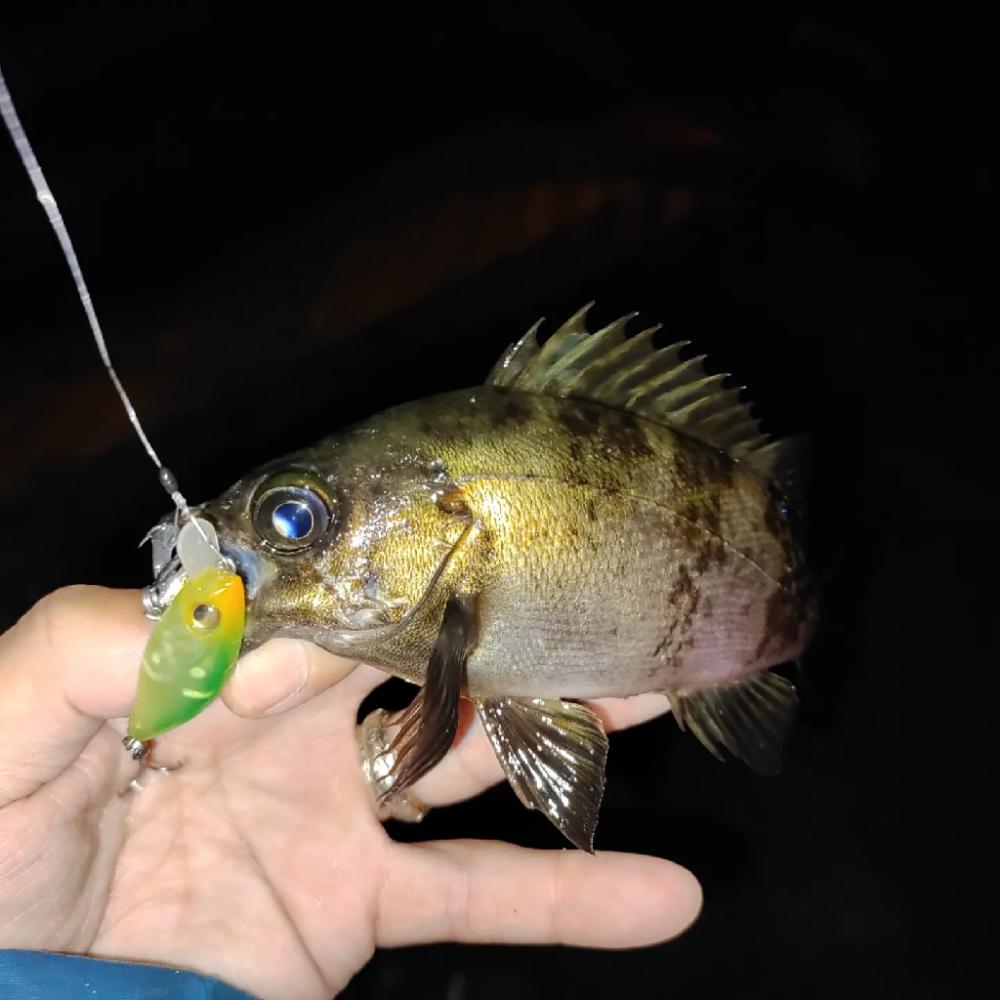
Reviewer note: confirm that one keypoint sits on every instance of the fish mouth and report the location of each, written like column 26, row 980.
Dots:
column 168, row 573
column 255, row 570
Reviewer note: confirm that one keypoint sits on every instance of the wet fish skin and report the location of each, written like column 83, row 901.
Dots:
column 601, row 550
column 613, row 555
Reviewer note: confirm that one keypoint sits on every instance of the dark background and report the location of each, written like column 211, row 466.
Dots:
column 288, row 222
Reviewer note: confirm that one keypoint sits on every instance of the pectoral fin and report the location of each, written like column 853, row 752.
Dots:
column 553, row 753
column 428, row 725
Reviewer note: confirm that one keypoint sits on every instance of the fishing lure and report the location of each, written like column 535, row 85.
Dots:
column 198, row 636
column 195, row 643
column 189, row 655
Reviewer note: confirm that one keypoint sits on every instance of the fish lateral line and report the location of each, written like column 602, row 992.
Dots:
column 639, row 498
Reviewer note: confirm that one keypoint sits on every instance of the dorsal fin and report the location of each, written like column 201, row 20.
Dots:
column 628, row 373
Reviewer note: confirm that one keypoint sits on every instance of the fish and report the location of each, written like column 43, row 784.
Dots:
column 600, row 518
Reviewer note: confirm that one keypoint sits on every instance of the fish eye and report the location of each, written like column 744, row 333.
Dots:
column 292, row 517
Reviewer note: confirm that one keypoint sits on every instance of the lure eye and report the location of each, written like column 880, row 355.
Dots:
column 290, row 518
column 205, row 617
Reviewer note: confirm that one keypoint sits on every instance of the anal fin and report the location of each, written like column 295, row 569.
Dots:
column 428, row 725
column 750, row 718
column 553, row 753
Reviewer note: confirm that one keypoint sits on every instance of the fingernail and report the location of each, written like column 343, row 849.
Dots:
column 264, row 684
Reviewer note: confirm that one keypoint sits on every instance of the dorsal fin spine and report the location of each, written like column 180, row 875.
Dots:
column 568, row 336
column 659, row 363
column 515, row 358
column 672, row 399
column 599, row 343
column 610, row 389
column 583, row 384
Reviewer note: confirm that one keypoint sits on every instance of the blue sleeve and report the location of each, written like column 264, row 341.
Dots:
column 40, row 975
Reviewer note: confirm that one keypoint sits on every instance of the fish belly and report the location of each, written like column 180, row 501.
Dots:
column 590, row 593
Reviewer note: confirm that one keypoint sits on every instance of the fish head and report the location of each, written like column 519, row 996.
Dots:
column 337, row 544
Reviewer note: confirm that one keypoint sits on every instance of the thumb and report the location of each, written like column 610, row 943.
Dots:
column 68, row 665
column 281, row 674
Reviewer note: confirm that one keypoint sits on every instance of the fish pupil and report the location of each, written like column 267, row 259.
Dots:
column 293, row 520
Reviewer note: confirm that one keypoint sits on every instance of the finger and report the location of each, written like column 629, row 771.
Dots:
column 484, row 891
column 471, row 766
column 362, row 682
column 69, row 664
column 622, row 713
column 468, row 768
column 281, row 674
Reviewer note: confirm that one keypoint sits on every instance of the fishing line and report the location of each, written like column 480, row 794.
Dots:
column 10, row 117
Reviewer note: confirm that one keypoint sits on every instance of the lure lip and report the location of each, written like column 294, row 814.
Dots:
column 169, row 576
column 162, row 538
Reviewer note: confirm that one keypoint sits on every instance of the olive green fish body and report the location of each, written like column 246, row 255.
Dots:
column 612, row 555
column 600, row 519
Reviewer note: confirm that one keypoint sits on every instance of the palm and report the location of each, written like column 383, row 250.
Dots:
column 266, row 843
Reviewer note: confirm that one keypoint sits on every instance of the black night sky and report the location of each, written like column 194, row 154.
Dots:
column 292, row 220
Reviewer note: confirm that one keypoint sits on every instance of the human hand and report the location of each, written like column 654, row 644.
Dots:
column 263, row 861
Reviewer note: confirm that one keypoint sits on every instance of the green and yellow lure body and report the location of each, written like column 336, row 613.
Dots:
column 190, row 653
